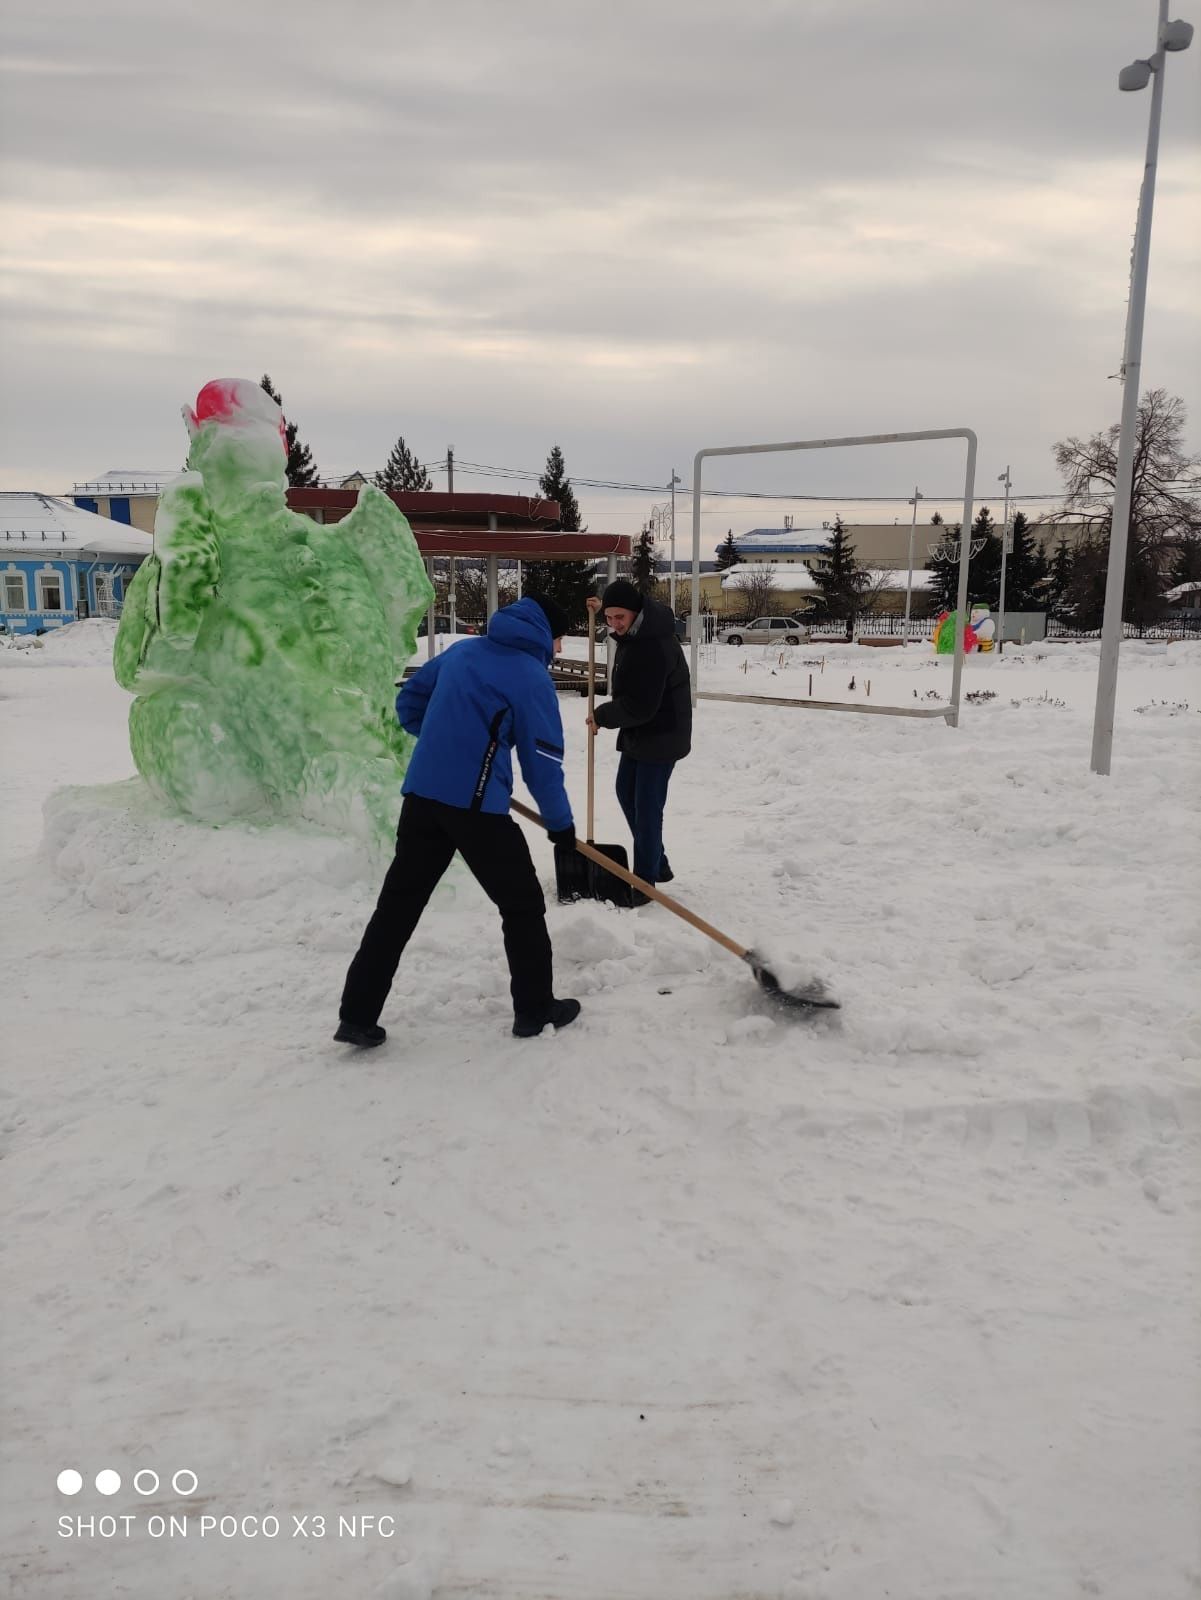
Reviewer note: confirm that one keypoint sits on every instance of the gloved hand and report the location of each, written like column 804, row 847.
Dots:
column 562, row 838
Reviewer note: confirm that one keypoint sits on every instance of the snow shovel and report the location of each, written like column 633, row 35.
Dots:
column 813, row 997
column 577, row 878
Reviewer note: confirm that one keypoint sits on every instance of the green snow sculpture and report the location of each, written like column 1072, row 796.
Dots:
column 263, row 647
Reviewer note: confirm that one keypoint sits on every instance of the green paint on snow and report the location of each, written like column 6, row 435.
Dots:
column 263, row 647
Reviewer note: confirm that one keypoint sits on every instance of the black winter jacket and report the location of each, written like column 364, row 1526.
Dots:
column 652, row 691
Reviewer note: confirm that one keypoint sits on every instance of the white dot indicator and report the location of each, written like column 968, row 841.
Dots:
column 108, row 1481
column 69, row 1482
column 140, row 1484
column 185, row 1472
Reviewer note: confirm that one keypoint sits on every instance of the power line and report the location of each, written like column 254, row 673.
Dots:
column 480, row 469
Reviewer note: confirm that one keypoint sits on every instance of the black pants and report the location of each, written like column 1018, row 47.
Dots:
column 495, row 850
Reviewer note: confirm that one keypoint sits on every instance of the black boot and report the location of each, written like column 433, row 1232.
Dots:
column 528, row 1025
column 363, row 1035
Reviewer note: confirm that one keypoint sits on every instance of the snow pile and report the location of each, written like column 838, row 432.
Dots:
column 690, row 1299
column 80, row 644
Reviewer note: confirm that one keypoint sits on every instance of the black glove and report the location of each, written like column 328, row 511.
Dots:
column 562, row 838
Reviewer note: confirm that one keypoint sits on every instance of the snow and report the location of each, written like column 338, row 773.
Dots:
column 45, row 526
column 691, row 1299
column 798, row 576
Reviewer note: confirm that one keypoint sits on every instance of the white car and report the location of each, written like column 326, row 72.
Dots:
column 766, row 630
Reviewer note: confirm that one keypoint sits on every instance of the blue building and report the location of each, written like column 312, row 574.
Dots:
column 59, row 563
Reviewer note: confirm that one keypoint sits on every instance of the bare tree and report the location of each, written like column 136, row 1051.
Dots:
column 759, row 590
column 1165, row 507
column 471, row 592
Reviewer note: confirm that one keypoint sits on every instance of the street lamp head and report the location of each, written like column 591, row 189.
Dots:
column 1177, row 35
column 1136, row 76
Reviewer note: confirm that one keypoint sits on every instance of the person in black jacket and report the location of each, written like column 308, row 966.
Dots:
column 651, row 707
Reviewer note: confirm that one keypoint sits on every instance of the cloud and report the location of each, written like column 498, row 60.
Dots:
column 634, row 229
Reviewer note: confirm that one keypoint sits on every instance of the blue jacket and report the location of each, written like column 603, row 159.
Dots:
column 472, row 704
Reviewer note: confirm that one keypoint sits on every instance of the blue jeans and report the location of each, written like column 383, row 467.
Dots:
column 642, row 794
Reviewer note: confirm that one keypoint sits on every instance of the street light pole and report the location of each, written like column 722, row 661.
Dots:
column 1006, row 541
column 671, row 582
column 1170, row 36
column 917, row 495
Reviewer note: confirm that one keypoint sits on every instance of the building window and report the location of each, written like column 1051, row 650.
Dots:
column 14, row 592
column 50, row 591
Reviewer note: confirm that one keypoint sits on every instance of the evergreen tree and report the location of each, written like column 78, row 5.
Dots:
column 727, row 552
column 642, row 565
column 843, row 582
column 301, row 471
column 1026, row 570
column 1186, row 562
column 568, row 582
column 1059, row 581
column 556, row 485
column 403, row 471
column 984, row 568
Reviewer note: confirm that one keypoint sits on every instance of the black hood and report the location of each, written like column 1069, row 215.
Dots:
column 658, row 622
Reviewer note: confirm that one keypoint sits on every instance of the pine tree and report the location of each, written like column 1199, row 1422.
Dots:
column 944, row 568
column 1026, row 570
column 1059, row 581
column 842, row 580
column 727, row 552
column 568, row 582
column 556, row 485
column 1186, row 562
column 301, row 470
column 984, row 568
column 403, row 471
column 642, row 565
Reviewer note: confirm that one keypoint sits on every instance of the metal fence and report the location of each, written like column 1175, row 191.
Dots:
column 1183, row 625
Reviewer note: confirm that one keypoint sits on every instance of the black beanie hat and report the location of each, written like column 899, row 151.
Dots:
column 554, row 613
column 622, row 594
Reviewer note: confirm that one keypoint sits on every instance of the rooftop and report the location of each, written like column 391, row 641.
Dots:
column 33, row 525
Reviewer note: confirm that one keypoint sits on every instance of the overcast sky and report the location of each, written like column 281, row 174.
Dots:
column 632, row 229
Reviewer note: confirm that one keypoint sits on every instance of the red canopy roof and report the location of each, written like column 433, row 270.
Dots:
column 512, row 525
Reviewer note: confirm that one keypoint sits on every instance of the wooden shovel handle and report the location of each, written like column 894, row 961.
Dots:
column 591, row 734
column 674, row 906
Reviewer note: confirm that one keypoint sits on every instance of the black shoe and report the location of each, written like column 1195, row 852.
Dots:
column 363, row 1035
column 528, row 1025
column 637, row 898
column 665, row 872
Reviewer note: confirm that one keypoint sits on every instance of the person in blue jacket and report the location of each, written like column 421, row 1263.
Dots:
column 470, row 707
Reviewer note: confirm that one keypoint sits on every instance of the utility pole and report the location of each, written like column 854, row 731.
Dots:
column 450, row 489
column 671, row 583
column 1169, row 36
column 1006, row 547
column 917, row 495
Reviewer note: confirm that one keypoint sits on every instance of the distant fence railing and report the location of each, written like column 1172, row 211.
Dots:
column 1186, row 625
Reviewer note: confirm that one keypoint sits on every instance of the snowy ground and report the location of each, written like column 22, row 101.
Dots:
column 692, row 1300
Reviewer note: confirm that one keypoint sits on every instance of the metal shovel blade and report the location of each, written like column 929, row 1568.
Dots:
column 814, row 996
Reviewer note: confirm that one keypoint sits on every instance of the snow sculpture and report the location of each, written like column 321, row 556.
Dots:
column 983, row 627
column 263, row 647
column 944, row 634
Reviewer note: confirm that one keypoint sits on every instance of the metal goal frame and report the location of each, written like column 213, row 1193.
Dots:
column 951, row 712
